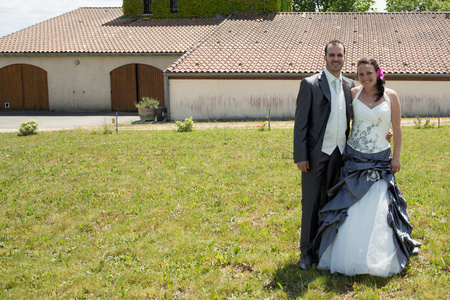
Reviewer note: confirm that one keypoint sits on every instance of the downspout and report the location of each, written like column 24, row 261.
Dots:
column 167, row 93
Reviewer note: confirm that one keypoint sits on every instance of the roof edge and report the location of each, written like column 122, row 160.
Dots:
column 30, row 54
column 393, row 76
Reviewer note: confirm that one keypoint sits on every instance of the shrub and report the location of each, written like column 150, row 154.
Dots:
column 186, row 125
column 28, row 128
column 428, row 124
column 147, row 102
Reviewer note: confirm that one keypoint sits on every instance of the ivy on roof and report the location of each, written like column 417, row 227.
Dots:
column 162, row 9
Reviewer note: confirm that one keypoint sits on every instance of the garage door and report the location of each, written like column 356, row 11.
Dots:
column 23, row 87
column 131, row 82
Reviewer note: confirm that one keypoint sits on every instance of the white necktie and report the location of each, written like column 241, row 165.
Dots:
column 337, row 85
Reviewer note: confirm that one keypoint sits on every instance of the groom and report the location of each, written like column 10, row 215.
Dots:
column 321, row 129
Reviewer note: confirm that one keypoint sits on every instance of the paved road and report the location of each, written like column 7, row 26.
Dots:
column 52, row 121
column 10, row 122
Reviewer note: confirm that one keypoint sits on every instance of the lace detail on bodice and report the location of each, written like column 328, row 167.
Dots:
column 370, row 126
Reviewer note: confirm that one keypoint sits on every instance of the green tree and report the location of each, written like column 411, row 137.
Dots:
column 333, row 5
column 417, row 5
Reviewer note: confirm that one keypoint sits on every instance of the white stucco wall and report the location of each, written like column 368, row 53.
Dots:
column 87, row 86
column 422, row 98
column 216, row 99
column 211, row 99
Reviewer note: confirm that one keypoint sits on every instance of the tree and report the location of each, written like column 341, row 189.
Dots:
column 333, row 5
column 417, row 5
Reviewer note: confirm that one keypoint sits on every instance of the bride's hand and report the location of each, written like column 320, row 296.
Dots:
column 395, row 165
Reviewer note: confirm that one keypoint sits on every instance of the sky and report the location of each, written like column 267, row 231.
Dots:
column 18, row 14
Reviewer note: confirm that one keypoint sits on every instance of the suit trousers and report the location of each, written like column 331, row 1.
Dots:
column 322, row 175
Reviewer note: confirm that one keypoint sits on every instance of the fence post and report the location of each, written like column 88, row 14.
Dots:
column 439, row 116
column 117, row 122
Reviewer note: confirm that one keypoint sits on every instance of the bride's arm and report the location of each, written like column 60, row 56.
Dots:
column 396, row 118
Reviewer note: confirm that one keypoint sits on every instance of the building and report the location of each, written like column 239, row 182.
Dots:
column 238, row 67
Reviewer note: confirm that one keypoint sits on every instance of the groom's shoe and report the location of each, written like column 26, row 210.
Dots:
column 305, row 262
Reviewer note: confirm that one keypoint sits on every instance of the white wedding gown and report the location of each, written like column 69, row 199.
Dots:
column 364, row 244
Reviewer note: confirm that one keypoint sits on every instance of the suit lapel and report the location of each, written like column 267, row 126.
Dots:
column 324, row 86
column 348, row 97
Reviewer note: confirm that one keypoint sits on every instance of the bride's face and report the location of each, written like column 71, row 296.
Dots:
column 367, row 75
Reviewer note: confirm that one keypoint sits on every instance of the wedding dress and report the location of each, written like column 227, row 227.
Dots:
column 365, row 227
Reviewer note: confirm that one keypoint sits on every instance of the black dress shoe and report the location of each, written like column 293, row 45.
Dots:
column 305, row 262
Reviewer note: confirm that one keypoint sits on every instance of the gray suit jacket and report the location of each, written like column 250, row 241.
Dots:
column 312, row 112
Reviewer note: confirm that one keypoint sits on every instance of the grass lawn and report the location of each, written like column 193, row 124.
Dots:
column 210, row 214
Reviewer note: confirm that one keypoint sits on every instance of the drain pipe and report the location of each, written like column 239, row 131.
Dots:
column 167, row 92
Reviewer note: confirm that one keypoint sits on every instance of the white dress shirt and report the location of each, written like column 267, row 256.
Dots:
column 337, row 122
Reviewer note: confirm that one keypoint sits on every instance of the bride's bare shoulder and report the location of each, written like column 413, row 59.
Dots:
column 354, row 91
column 389, row 91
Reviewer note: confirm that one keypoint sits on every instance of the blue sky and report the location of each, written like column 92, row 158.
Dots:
column 18, row 14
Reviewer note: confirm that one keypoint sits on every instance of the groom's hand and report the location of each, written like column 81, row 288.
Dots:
column 389, row 135
column 303, row 165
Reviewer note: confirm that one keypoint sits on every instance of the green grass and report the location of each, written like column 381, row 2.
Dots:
column 210, row 214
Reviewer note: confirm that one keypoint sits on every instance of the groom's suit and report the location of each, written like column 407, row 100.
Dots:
column 311, row 117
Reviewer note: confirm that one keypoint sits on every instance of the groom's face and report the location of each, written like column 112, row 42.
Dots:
column 335, row 59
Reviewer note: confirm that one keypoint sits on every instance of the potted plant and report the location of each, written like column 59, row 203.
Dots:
column 146, row 108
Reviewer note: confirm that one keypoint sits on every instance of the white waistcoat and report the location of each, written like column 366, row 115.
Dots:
column 337, row 123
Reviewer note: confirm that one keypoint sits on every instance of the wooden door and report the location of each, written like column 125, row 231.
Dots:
column 24, row 87
column 150, row 82
column 130, row 83
column 123, row 88
column 11, row 88
column 35, row 88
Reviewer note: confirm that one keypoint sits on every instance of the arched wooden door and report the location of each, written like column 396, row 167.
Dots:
column 23, row 87
column 131, row 82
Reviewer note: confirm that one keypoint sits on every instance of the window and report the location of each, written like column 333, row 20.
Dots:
column 147, row 6
column 173, row 6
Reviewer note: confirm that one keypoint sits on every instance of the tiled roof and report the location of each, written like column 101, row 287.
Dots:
column 403, row 43
column 288, row 43
column 104, row 30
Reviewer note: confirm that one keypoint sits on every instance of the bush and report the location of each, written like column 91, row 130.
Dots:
column 28, row 128
column 147, row 102
column 186, row 125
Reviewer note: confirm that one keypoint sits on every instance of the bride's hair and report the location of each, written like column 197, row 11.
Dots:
column 380, row 82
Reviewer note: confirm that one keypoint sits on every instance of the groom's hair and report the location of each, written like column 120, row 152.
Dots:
column 334, row 43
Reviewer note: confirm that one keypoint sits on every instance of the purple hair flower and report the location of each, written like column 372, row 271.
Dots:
column 381, row 73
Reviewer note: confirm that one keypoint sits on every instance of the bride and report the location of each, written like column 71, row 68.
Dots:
column 365, row 227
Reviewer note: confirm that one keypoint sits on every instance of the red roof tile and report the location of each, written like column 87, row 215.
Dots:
column 104, row 30
column 404, row 43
